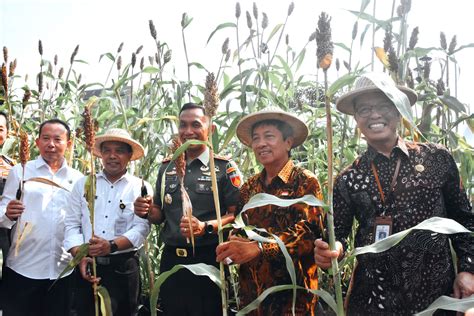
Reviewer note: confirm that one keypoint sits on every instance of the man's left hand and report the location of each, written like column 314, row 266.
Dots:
column 98, row 247
column 237, row 250
column 463, row 285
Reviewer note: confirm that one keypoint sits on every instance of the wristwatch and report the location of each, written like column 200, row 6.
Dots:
column 209, row 228
column 113, row 246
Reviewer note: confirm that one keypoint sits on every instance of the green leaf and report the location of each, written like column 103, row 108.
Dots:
column 150, row 70
column 343, row 46
column 81, row 253
column 435, row 224
column 197, row 65
column 462, row 47
column 198, row 269
column 230, row 132
column 274, row 31
column 380, row 23
column 286, row 68
column 448, row 303
column 278, row 288
column 453, row 103
column 346, row 80
column 105, row 302
column 220, row 27
column 108, row 55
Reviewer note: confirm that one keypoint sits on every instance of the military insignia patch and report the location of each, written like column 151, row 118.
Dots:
column 234, row 174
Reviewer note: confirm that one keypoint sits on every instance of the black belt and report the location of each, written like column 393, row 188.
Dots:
column 115, row 259
column 185, row 251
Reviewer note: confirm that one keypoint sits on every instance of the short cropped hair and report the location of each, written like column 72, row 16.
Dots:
column 56, row 121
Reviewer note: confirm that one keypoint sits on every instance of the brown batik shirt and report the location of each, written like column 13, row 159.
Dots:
column 408, row 277
column 297, row 226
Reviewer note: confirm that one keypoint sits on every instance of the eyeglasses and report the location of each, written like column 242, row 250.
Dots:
column 366, row 111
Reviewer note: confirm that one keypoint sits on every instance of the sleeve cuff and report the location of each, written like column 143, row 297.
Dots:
column 73, row 241
column 5, row 222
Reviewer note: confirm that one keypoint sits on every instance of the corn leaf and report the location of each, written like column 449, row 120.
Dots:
column 81, row 253
column 198, row 269
column 262, row 199
column 105, row 302
column 448, row 303
column 278, row 288
column 435, row 224
column 46, row 181
column 219, row 27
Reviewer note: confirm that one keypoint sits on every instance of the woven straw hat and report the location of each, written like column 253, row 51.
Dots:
column 119, row 135
column 364, row 85
column 244, row 128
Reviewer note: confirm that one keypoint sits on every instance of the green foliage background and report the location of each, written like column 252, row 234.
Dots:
column 261, row 70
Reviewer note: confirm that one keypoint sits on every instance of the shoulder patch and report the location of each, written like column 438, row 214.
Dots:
column 167, row 159
column 234, row 174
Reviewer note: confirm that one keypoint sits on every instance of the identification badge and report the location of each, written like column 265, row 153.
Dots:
column 383, row 227
column 120, row 226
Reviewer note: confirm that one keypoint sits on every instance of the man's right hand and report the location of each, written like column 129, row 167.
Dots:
column 14, row 209
column 323, row 255
column 142, row 206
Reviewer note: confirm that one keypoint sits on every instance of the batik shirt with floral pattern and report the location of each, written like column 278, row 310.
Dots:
column 410, row 276
column 297, row 226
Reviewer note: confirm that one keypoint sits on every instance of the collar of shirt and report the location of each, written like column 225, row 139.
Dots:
column 41, row 163
column 400, row 147
column 126, row 176
column 203, row 157
column 284, row 174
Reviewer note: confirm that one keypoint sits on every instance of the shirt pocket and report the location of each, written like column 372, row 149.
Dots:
column 171, row 184
column 203, row 187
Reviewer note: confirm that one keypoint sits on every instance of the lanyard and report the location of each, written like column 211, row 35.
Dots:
column 392, row 184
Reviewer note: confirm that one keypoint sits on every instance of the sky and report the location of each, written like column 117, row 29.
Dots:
column 99, row 26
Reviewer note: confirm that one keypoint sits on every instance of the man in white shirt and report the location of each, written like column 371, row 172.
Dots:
column 118, row 232
column 37, row 256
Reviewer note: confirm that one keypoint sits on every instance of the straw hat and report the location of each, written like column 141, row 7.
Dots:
column 119, row 135
column 364, row 85
column 244, row 128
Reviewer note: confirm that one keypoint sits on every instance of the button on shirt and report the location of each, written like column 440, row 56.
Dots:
column 41, row 254
column 111, row 220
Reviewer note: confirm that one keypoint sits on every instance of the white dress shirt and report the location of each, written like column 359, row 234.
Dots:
column 41, row 254
column 113, row 212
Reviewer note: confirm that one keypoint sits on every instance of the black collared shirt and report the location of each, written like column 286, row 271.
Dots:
column 410, row 276
column 197, row 182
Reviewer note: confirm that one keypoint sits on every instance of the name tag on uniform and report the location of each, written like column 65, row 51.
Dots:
column 383, row 227
column 120, row 226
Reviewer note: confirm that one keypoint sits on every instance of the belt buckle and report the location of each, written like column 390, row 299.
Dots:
column 181, row 252
column 102, row 261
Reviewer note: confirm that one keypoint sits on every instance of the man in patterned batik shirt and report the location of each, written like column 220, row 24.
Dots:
column 394, row 186
column 272, row 134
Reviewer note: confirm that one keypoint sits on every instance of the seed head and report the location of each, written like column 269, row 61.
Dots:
column 139, row 49
column 12, row 68
column 287, row 39
column 60, row 73
column 151, row 60
column 225, row 46
column 50, row 68
column 55, row 60
column 179, row 161
column 406, row 6
column 167, row 56
column 255, row 11
column 74, row 53
column 120, row 48
column 440, row 88
column 442, row 40
column 88, row 127
column 237, row 10
column 78, row 79
column 40, row 47
column 346, row 64
column 249, row 20
column 354, row 30
column 387, row 41
column 211, row 96
column 393, row 61
column 134, row 60
column 452, row 45
column 5, row 54
column 24, row 148
column 227, row 55
column 4, row 80
column 413, row 39
column 119, row 63
column 338, row 64
column 312, row 37
column 323, row 40
column 142, row 63
column 264, row 20
column 157, row 58
column 26, row 97
column 291, row 7
column 40, row 82
column 409, row 78
column 152, row 29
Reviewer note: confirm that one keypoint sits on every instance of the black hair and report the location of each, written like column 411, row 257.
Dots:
column 190, row 106
column 129, row 148
column 56, row 121
column 2, row 113
column 285, row 129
